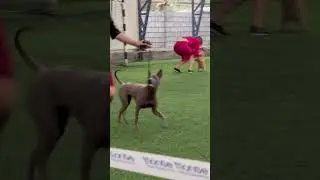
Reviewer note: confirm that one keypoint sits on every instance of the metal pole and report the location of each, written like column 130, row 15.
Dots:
column 196, row 17
column 124, row 28
column 193, row 18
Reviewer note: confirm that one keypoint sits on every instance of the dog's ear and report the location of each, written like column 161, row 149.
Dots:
column 160, row 73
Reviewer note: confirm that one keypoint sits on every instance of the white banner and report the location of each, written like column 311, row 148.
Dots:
column 158, row 165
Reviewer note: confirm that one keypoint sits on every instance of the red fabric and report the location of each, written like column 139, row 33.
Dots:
column 110, row 80
column 195, row 45
column 190, row 46
column 5, row 59
column 183, row 49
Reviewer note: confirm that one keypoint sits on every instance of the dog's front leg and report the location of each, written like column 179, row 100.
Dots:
column 88, row 151
column 38, row 160
column 159, row 114
column 47, row 140
column 137, row 117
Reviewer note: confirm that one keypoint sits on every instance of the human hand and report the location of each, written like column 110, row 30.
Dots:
column 144, row 44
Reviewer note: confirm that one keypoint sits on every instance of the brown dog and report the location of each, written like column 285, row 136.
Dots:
column 143, row 94
column 57, row 94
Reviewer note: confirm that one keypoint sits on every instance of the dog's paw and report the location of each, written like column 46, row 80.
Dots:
column 136, row 127
column 125, row 122
column 165, row 125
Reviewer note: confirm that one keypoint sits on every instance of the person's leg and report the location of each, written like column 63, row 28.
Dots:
column 183, row 60
column 257, row 27
column 190, row 67
column 258, row 12
column 303, row 12
column 184, row 51
column 293, row 13
column 219, row 14
column 201, row 63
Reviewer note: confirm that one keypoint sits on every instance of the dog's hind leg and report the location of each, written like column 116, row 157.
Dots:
column 159, row 114
column 50, row 125
column 125, row 103
column 122, row 113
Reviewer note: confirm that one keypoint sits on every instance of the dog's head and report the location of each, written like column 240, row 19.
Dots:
column 155, row 79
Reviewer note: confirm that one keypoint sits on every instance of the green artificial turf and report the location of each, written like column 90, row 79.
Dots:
column 265, row 101
column 184, row 99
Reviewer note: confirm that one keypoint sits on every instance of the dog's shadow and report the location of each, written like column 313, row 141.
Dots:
column 139, row 135
column 131, row 132
column 182, row 73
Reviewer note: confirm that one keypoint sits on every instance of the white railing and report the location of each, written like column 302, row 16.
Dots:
column 159, row 165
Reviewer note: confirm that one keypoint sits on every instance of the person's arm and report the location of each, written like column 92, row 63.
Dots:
column 115, row 33
column 197, row 45
column 126, row 39
column 199, row 54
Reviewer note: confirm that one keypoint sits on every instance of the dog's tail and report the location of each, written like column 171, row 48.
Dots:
column 115, row 75
column 23, row 54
